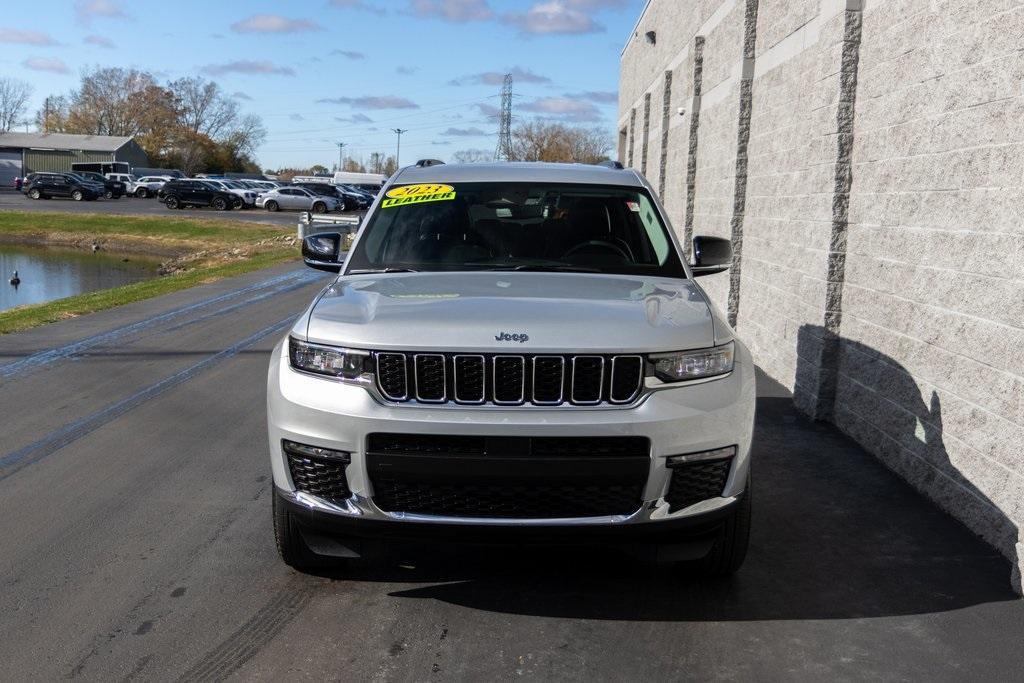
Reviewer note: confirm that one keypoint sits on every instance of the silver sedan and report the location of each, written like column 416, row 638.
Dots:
column 298, row 199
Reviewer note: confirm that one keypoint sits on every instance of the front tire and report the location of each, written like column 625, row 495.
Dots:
column 271, row 206
column 730, row 548
column 172, row 203
column 290, row 546
column 319, row 207
column 34, row 194
column 77, row 195
column 142, row 193
column 219, row 203
column 109, row 194
column 237, row 203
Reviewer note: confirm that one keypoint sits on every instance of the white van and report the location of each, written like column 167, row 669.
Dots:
column 364, row 181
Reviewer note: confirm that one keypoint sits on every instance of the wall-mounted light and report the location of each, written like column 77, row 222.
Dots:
column 652, row 37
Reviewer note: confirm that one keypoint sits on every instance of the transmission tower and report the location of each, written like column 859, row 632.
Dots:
column 504, row 150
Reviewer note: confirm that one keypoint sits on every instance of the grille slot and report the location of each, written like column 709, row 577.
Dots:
column 470, row 374
column 587, row 380
column 510, row 379
column 694, row 482
column 430, row 378
column 627, row 378
column 548, row 380
column 320, row 477
column 391, row 376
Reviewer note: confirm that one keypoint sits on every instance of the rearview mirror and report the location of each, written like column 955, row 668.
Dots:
column 323, row 251
column 711, row 255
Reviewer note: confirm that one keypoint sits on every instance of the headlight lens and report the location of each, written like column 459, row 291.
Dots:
column 685, row 365
column 332, row 361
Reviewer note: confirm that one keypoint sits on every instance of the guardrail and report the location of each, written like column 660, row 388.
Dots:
column 310, row 223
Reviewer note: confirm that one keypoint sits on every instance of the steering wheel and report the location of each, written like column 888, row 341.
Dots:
column 600, row 244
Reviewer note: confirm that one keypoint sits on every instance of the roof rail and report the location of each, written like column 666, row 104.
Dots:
column 615, row 165
column 424, row 163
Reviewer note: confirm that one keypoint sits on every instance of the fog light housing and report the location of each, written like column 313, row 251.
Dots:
column 304, row 451
column 701, row 456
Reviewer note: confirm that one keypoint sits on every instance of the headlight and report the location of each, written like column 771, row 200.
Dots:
column 685, row 365
column 332, row 361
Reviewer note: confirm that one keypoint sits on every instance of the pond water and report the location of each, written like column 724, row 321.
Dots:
column 50, row 273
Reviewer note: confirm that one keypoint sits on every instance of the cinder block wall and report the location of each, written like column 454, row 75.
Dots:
column 867, row 159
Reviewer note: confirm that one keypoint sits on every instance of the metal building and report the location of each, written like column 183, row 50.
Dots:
column 24, row 153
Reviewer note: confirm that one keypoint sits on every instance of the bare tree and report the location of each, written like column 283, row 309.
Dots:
column 204, row 107
column 14, row 96
column 472, row 156
column 549, row 141
column 52, row 117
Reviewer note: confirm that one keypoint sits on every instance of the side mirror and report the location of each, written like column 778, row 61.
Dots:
column 711, row 255
column 323, row 251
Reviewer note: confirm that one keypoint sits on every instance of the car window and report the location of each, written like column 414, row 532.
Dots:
column 522, row 226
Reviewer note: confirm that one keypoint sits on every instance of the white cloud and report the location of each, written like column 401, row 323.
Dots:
column 453, row 10
column 274, row 23
column 601, row 97
column 355, row 118
column 464, row 132
column 563, row 108
column 87, row 10
column 373, row 102
column 246, row 66
column 554, row 17
column 519, row 75
column 99, row 41
column 13, row 35
column 359, row 5
column 350, row 54
column 55, row 66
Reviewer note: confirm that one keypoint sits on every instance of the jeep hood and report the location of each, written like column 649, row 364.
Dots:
column 559, row 312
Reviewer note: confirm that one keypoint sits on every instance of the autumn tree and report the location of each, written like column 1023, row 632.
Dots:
column 14, row 95
column 552, row 141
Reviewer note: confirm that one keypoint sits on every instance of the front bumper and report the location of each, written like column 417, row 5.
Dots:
column 677, row 420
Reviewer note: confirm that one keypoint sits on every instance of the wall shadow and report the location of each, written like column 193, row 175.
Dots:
column 880, row 406
column 836, row 535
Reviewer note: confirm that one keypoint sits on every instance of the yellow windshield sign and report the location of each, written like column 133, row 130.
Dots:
column 417, row 194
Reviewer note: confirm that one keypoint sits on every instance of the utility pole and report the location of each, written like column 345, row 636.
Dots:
column 341, row 155
column 504, row 150
column 398, row 152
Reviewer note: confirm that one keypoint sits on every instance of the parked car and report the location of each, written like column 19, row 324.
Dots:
column 128, row 179
column 113, row 189
column 350, row 201
column 246, row 197
column 181, row 192
column 513, row 352
column 297, row 198
column 150, row 185
column 71, row 185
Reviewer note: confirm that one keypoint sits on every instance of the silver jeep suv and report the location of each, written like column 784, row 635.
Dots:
column 513, row 351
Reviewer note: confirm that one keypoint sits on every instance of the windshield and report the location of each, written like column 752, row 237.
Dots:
column 516, row 226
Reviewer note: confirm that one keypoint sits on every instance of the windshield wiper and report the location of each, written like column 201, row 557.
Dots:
column 366, row 271
column 550, row 267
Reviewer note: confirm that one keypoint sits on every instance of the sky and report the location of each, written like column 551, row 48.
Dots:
column 319, row 72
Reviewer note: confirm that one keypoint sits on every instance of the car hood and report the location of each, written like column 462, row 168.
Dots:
column 512, row 312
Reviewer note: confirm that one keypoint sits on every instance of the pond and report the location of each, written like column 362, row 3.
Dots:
column 54, row 273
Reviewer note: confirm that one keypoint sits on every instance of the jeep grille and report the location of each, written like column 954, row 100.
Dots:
column 509, row 379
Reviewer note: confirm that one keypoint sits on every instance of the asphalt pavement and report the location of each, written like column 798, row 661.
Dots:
column 136, row 543
column 133, row 206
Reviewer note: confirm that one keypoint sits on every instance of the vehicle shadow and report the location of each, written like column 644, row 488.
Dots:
column 836, row 535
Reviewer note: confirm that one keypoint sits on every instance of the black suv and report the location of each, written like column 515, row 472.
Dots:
column 182, row 192
column 113, row 189
column 50, row 185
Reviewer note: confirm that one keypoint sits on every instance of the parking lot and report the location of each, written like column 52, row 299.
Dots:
column 130, row 206
column 140, row 546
